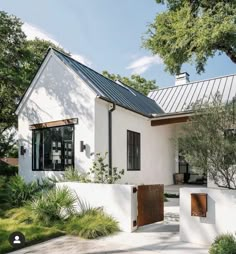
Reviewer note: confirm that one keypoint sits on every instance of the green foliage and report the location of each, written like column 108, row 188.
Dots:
column 208, row 142
column 11, row 49
column 135, row 81
column 73, row 175
column 100, row 171
column 53, row 206
column 19, row 61
column 34, row 53
column 193, row 31
column 85, row 208
column 6, row 170
column 91, row 225
column 171, row 195
column 223, row 244
column 17, row 192
column 21, row 219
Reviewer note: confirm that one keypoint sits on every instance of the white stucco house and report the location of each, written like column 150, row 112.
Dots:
column 70, row 112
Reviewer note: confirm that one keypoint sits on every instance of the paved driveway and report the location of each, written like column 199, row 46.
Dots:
column 157, row 238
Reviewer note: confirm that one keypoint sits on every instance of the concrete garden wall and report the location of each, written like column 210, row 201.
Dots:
column 117, row 200
column 220, row 218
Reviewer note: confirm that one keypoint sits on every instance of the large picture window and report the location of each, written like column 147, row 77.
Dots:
column 53, row 148
column 133, row 150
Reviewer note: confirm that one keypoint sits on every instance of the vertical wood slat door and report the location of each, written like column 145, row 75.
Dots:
column 150, row 204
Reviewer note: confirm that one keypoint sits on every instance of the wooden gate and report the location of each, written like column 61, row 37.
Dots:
column 150, row 204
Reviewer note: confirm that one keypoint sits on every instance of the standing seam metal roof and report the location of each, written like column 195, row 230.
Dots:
column 180, row 98
column 122, row 95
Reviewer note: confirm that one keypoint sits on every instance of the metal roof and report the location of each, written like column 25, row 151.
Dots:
column 107, row 89
column 180, row 98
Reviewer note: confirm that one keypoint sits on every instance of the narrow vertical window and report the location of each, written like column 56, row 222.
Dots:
column 133, row 150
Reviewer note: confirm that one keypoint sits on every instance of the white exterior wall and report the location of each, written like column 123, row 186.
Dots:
column 57, row 94
column 117, row 200
column 220, row 219
column 157, row 147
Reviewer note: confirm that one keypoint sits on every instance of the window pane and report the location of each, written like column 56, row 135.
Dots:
column 56, row 148
column 53, row 148
column 47, row 149
column 133, row 150
column 37, row 151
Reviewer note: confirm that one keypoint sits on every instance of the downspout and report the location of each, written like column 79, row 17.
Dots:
column 110, row 137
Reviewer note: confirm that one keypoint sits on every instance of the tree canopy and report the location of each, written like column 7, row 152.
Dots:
column 208, row 142
column 191, row 31
column 19, row 61
column 135, row 81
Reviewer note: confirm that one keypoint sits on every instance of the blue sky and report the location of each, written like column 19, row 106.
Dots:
column 105, row 34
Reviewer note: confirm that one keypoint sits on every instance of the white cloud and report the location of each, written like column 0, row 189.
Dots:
column 82, row 59
column 140, row 65
column 32, row 32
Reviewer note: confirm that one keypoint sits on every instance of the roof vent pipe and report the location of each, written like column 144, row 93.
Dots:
column 182, row 79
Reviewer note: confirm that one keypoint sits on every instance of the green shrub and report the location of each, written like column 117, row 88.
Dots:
column 18, row 192
column 100, row 171
column 224, row 244
column 53, row 206
column 73, row 175
column 6, row 170
column 92, row 224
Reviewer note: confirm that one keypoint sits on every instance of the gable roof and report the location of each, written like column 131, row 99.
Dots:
column 107, row 89
column 180, row 98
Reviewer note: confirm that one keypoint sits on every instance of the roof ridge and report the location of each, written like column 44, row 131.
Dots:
column 196, row 81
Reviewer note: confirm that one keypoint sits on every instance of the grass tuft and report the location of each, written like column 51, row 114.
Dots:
column 91, row 225
column 20, row 219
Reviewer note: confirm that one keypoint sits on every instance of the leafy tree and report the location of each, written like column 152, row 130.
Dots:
column 12, row 41
column 192, row 31
column 135, row 81
column 208, row 142
column 34, row 53
column 19, row 61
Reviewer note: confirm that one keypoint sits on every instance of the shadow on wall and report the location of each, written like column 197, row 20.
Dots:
column 72, row 99
column 211, row 212
column 66, row 98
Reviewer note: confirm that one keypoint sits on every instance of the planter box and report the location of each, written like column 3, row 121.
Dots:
column 178, row 178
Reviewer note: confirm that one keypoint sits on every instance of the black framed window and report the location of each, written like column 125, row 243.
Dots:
column 133, row 150
column 53, row 148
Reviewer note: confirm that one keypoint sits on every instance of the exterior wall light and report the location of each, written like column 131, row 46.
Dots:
column 22, row 150
column 82, row 146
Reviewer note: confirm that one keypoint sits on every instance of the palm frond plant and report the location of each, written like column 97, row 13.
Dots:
column 56, row 205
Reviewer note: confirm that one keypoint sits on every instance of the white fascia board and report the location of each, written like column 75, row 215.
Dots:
column 172, row 115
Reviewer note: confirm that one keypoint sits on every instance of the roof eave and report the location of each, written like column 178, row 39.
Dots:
column 122, row 106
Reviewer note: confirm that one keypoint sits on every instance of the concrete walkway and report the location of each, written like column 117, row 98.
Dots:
column 162, row 238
